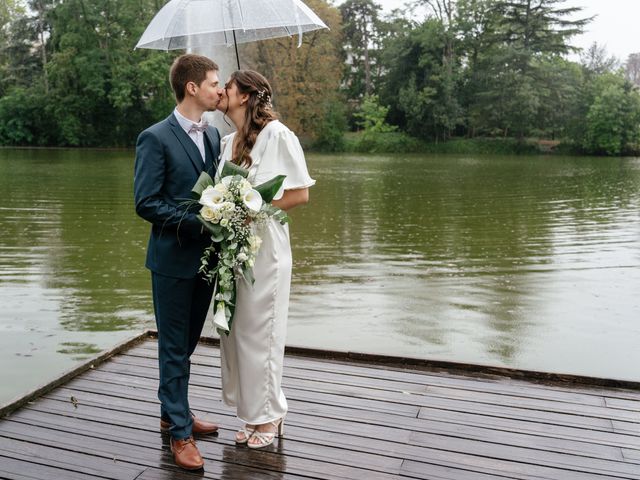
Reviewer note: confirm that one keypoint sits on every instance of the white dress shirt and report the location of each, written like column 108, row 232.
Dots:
column 196, row 136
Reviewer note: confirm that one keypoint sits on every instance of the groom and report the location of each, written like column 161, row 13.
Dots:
column 170, row 156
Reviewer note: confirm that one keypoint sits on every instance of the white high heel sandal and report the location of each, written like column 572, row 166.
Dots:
column 246, row 432
column 267, row 438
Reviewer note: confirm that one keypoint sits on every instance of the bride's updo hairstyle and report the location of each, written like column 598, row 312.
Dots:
column 259, row 112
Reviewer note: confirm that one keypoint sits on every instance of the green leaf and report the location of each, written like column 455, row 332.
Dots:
column 215, row 230
column 268, row 190
column 232, row 169
column 203, row 182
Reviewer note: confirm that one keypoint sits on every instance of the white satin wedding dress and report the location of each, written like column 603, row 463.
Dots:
column 253, row 353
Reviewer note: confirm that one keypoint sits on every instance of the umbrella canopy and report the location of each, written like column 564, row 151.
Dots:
column 200, row 23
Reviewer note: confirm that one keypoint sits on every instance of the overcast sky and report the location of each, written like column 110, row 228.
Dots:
column 615, row 26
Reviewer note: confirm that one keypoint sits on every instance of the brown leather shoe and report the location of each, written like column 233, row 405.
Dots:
column 200, row 427
column 186, row 454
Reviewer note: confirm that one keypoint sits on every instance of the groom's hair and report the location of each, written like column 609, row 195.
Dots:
column 189, row 68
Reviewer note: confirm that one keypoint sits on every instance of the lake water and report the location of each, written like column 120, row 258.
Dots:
column 526, row 262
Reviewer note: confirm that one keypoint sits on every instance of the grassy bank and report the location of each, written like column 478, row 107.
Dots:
column 399, row 142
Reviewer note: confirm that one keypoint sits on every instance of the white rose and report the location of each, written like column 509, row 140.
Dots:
column 209, row 214
column 220, row 318
column 221, row 187
column 224, row 222
column 252, row 200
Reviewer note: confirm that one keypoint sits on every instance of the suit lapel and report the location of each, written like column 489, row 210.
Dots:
column 188, row 144
column 213, row 145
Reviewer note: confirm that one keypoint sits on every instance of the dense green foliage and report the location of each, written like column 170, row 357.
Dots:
column 84, row 84
column 451, row 69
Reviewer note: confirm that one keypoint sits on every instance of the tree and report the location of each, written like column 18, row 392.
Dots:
column 305, row 80
column 372, row 116
column 523, row 36
column 613, row 119
column 596, row 61
column 632, row 69
column 538, row 27
column 420, row 86
column 360, row 27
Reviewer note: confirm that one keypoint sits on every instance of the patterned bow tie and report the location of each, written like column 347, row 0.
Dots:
column 198, row 127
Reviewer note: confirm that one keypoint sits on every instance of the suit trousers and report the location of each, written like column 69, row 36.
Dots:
column 180, row 308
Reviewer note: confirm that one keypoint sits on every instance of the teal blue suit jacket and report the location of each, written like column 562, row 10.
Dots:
column 168, row 164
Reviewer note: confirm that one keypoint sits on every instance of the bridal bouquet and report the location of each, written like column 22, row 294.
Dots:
column 231, row 209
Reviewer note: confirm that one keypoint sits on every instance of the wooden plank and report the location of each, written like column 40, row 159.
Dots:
column 522, row 455
column 438, row 472
column 624, row 404
column 532, row 455
column 196, row 389
column 342, row 378
column 580, row 447
column 632, row 456
column 347, row 420
column 136, row 447
column 329, row 471
column 324, row 413
column 631, row 442
column 96, row 381
column 145, row 429
column 16, row 469
column 343, row 434
column 399, row 363
column 210, row 356
column 625, row 428
column 66, row 460
column 414, row 398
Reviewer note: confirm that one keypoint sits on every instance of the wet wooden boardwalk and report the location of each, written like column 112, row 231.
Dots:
column 347, row 420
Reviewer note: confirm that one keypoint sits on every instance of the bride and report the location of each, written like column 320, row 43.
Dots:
column 252, row 355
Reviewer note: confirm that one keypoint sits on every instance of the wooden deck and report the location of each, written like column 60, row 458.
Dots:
column 347, row 420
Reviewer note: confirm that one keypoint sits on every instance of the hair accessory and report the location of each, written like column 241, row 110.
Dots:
column 265, row 98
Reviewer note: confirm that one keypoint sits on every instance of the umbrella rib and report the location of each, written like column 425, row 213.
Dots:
column 241, row 15
column 172, row 23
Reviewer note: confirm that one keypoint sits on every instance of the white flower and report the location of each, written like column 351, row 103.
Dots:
column 227, row 209
column 211, row 197
column 224, row 222
column 252, row 200
column 242, row 257
column 226, row 181
column 254, row 243
column 209, row 214
column 220, row 318
column 244, row 186
column 221, row 187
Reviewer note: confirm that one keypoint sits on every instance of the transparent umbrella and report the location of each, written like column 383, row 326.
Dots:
column 192, row 24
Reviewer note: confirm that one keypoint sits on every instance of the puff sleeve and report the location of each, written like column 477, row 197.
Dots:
column 288, row 158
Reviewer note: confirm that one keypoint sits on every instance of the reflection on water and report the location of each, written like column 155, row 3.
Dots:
column 243, row 463
column 530, row 262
